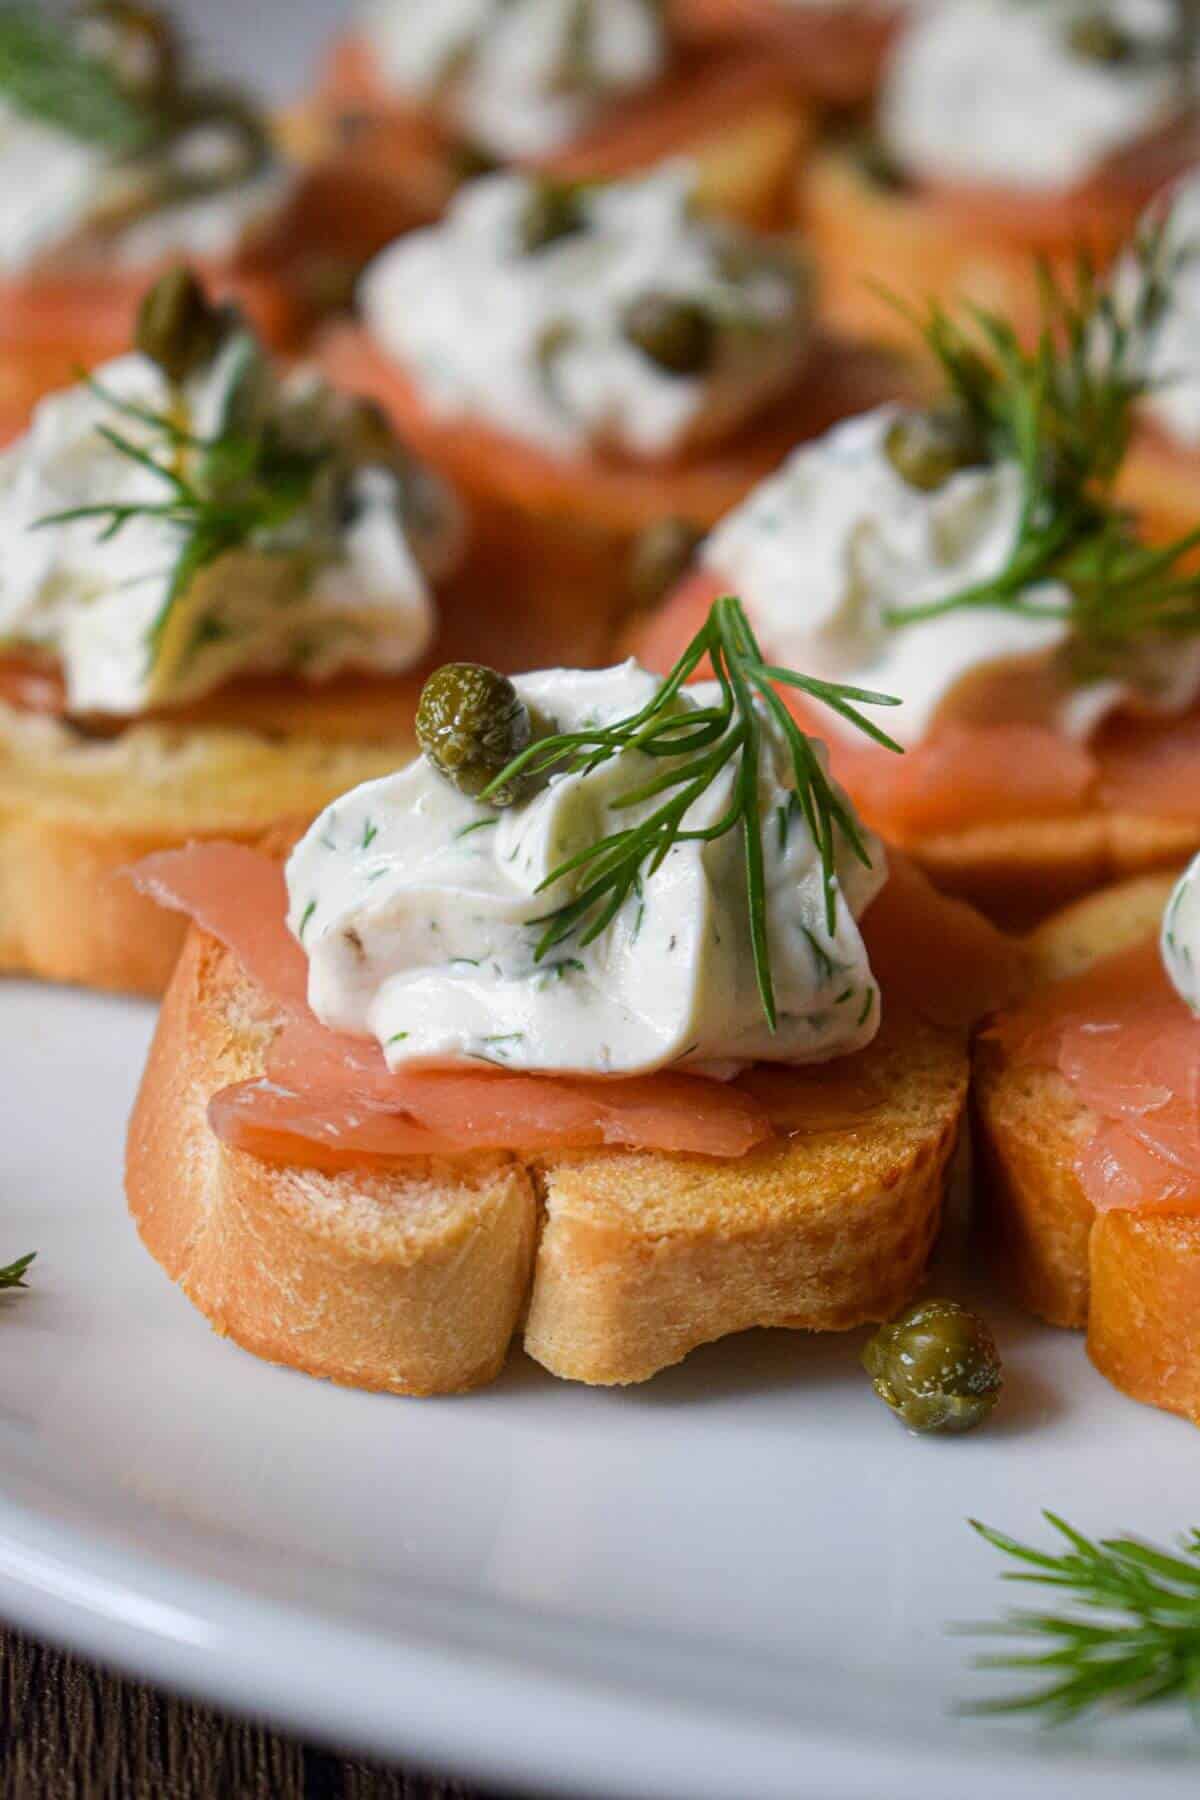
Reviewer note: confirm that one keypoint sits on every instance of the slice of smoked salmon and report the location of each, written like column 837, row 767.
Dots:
column 336, row 1092
column 608, row 494
column 833, row 53
column 961, row 776
column 1151, row 767
column 1129, row 1050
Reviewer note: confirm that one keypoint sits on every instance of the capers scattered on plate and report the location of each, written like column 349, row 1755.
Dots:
column 677, row 334
column 936, row 1366
column 661, row 557
column 553, row 210
column 927, row 448
column 1097, row 37
column 177, row 325
column 471, row 722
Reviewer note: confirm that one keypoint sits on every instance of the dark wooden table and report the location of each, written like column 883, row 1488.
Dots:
column 69, row 1731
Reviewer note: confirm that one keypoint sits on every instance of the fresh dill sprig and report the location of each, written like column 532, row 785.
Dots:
column 1133, row 1637
column 13, row 1274
column 698, row 743
column 238, row 487
column 1063, row 411
column 45, row 75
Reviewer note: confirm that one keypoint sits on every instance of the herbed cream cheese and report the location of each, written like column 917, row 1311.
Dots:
column 993, row 92
column 825, row 552
column 418, row 908
column 537, row 342
column 330, row 590
column 1180, row 938
column 522, row 78
column 823, row 549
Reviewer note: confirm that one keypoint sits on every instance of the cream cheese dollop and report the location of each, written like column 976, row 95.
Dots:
column 418, row 908
column 521, row 78
column 535, row 342
column 826, row 549
column 1179, row 941
column 992, row 92
column 348, row 594
column 67, row 205
column 823, row 549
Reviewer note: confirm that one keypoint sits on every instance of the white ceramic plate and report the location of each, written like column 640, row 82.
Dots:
column 734, row 1581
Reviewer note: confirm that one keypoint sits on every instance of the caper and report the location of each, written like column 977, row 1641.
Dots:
column 471, row 722
column 936, row 1366
column 177, row 325
column 1096, row 37
column 661, row 556
column 927, row 448
column 137, row 44
column 552, row 211
column 677, row 334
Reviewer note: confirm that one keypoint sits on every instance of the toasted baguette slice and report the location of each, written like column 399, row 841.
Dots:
column 1018, row 871
column 75, row 811
column 1133, row 1282
column 417, row 1277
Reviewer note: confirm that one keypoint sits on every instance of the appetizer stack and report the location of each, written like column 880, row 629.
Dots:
column 547, row 711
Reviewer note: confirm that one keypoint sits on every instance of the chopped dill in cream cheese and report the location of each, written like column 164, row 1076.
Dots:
column 670, row 980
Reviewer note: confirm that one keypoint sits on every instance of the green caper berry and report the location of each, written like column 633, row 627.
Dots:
column 1095, row 37
column 679, row 335
column 661, row 557
column 551, row 212
column 927, row 448
column 177, row 326
column 471, row 722
column 936, row 1366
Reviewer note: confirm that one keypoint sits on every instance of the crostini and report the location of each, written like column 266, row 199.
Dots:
column 218, row 585
column 834, row 50
column 1085, row 1101
column 585, row 363
column 584, row 90
column 116, row 159
column 568, row 1029
column 1005, row 132
column 971, row 559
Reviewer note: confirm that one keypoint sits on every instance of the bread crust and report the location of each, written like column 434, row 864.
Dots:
column 1131, row 1281
column 1019, row 871
column 416, row 1278
column 76, row 812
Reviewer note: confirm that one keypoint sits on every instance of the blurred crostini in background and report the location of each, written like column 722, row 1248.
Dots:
column 417, row 97
column 1004, row 133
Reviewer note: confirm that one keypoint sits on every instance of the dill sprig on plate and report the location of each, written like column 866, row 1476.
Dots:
column 1063, row 411
column 44, row 74
column 14, row 1273
column 240, row 487
column 1132, row 1637
column 698, row 743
